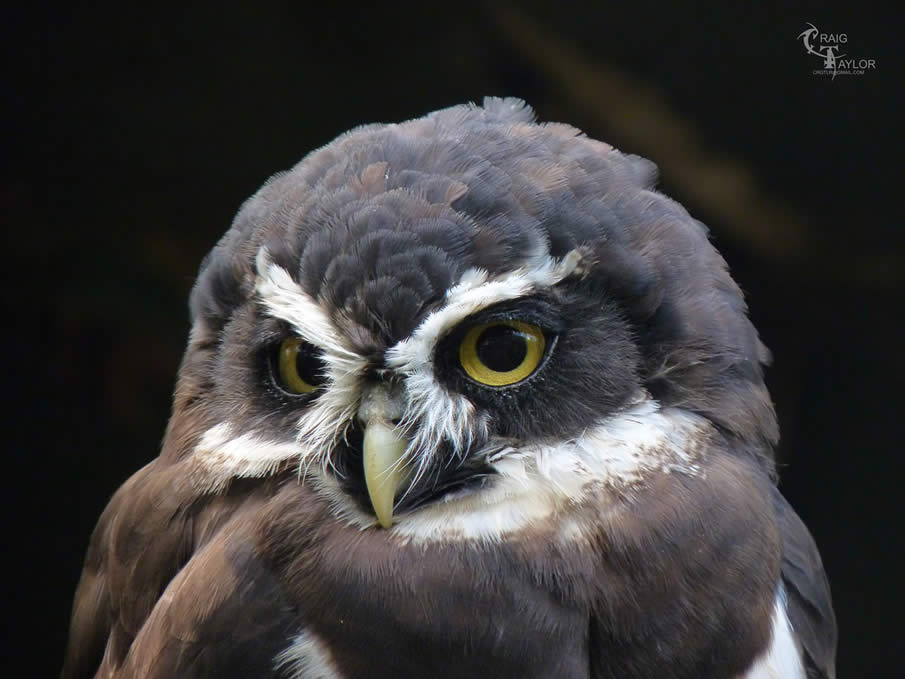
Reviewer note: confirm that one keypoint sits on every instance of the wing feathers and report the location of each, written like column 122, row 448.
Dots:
column 150, row 538
column 809, row 605
column 224, row 615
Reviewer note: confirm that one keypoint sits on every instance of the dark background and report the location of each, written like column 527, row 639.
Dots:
column 135, row 134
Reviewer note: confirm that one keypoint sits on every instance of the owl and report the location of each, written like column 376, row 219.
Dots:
column 463, row 396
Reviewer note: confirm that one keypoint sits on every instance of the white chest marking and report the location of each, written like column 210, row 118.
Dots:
column 537, row 482
column 782, row 659
column 307, row 658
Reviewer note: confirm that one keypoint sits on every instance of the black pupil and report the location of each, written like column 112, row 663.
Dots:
column 309, row 365
column 502, row 348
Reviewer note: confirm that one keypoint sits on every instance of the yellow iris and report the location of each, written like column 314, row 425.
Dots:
column 502, row 352
column 288, row 367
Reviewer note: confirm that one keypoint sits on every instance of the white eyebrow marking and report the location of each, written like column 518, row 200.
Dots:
column 475, row 291
column 434, row 414
column 285, row 299
column 328, row 416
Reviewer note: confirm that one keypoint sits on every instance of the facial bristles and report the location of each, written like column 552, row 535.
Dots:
column 434, row 419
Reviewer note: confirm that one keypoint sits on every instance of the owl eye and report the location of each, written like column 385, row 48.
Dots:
column 502, row 352
column 299, row 368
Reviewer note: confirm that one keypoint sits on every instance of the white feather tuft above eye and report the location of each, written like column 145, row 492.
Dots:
column 474, row 292
column 326, row 419
column 284, row 299
column 434, row 414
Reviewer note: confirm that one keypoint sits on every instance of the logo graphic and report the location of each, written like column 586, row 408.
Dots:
column 827, row 46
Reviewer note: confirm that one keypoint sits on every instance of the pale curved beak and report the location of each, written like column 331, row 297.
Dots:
column 383, row 450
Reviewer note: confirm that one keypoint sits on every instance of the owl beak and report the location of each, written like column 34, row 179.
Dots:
column 383, row 450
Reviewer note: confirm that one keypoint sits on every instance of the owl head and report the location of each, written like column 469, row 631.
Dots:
column 416, row 309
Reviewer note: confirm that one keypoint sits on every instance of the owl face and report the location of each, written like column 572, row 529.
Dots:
column 466, row 302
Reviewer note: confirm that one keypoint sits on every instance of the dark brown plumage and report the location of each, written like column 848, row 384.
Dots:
column 611, row 513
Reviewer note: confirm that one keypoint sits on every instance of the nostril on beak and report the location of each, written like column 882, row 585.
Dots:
column 381, row 401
